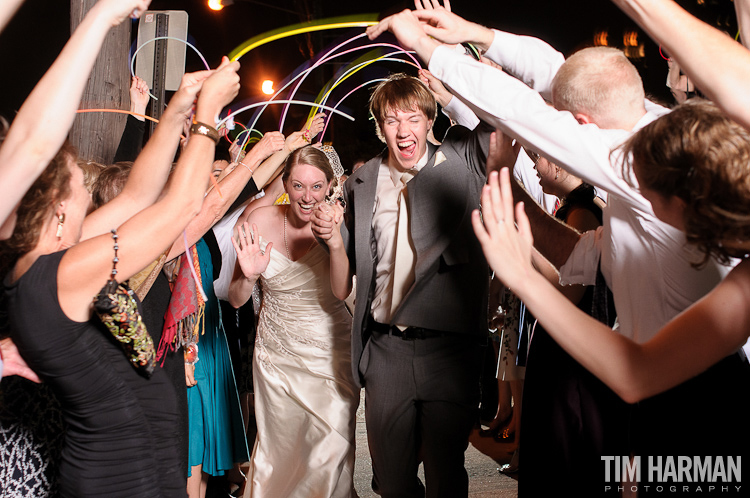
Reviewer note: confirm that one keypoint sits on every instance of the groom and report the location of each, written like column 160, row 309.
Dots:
column 419, row 324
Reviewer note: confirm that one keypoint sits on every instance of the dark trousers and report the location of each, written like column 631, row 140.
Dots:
column 421, row 399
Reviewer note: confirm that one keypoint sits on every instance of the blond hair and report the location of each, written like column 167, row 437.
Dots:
column 601, row 83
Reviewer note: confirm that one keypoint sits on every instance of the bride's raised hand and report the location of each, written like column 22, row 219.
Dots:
column 252, row 259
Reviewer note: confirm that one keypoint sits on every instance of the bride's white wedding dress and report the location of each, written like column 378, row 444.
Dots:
column 305, row 399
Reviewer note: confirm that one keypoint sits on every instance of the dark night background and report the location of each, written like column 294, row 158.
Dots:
column 36, row 34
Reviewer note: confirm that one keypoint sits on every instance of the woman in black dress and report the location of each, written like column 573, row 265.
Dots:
column 58, row 259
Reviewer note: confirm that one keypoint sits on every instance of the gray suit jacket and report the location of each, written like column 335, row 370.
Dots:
column 451, row 274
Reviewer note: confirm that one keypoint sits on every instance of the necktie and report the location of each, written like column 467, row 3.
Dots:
column 403, row 263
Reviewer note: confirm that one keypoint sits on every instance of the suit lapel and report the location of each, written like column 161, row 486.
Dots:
column 419, row 200
column 429, row 243
column 363, row 193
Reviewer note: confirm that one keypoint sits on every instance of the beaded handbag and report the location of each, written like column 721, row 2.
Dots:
column 117, row 307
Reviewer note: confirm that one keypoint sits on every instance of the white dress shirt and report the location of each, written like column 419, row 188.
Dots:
column 223, row 231
column 645, row 262
column 384, row 226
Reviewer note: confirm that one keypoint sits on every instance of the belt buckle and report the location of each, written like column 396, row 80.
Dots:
column 411, row 334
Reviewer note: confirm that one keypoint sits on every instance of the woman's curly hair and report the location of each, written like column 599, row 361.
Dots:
column 699, row 155
column 52, row 186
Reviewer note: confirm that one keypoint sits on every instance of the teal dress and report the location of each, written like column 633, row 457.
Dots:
column 217, row 434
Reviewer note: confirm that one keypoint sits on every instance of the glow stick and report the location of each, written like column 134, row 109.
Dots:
column 359, row 21
column 378, row 80
column 132, row 59
column 300, row 102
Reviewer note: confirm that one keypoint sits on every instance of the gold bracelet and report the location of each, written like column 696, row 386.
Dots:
column 198, row 128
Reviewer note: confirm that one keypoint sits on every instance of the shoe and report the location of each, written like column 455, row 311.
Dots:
column 235, row 481
column 494, row 431
column 511, row 468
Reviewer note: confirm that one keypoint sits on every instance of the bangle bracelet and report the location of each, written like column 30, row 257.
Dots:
column 191, row 353
column 248, row 167
column 199, row 128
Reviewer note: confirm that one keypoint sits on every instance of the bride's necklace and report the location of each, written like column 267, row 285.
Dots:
column 286, row 244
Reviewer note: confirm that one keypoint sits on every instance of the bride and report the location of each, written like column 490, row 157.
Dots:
column 305, row 398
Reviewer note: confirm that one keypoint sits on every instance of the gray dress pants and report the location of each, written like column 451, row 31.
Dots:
column 421, row 401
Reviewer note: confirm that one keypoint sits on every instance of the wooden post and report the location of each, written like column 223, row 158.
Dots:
column 97, row 135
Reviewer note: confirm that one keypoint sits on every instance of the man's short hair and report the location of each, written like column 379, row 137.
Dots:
column 601, row 83
column 404, row 93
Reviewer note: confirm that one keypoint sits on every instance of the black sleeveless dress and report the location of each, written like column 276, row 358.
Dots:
column 119, row 429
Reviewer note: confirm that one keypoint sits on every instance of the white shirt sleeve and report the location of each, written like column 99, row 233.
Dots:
column 654, row 108
column 223, row 231
column 529, row 59
column 460, row 113
column 510, row 105
column 583, row 263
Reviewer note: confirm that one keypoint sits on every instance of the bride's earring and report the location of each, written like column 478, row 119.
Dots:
column 60, row 223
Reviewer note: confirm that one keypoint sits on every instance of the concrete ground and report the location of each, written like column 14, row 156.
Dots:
column 483, row 458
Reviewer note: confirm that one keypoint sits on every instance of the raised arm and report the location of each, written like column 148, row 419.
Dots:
column 530, row 59
column 86, row 266
column 717, row 64
column 271, row 167
column 7, row 11
column 553, row 239
column 217, row 201
column 742, row 11
column 457, row 111
column 51, row 107
column 511, row 106
column 409, row 32
column 681, row 350
column 251, row 262
column 131, row 142
column 139, row 98
column 151, row 169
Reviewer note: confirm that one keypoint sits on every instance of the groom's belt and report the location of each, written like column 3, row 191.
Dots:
column 409, row 333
